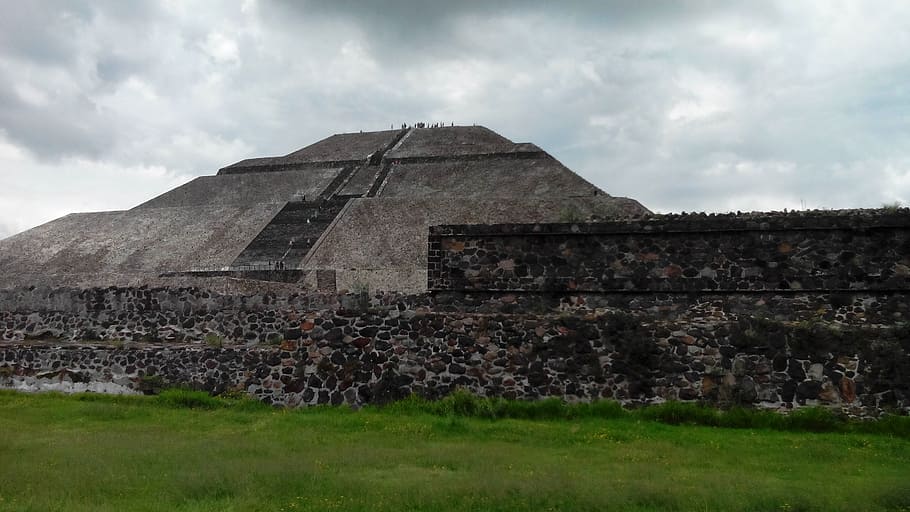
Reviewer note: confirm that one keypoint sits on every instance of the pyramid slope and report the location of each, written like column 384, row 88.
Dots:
column 341, row 148
column 246, row 189
column 454, row 141
column 110, row 247
column 344, row 146
column 493, row 177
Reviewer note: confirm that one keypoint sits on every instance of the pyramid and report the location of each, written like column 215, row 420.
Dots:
column 350, row 211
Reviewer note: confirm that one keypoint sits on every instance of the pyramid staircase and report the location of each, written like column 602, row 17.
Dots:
column 287, row 239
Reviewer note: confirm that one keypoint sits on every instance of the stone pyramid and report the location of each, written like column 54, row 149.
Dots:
column 350, row 211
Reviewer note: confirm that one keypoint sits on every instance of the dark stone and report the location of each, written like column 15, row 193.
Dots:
column 747, row 391
column 334, row 334
column 688, row 394
column 537, row 377
column 295, row 386
column 463, row 381
column 779, row 363
column 729, row 352
column 386, row 390
column 672, row 367
column 795, row 370
column 788, row 391
column 808, row 390
column 369, row 332
column 465, row 341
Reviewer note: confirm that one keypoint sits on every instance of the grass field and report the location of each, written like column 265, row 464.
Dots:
column 99, row 453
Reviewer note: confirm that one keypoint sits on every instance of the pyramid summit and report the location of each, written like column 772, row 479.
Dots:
column 352, row 210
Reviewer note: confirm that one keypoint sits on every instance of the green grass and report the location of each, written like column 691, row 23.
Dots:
column 806, row 419
column 188, row 452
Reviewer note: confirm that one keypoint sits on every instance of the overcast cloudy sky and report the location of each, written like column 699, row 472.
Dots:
column 682, row 105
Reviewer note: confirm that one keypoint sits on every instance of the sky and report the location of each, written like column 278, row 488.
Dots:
column 685, row 106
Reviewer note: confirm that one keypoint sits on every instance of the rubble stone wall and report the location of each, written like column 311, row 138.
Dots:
column 842, row 250
column 843, row 351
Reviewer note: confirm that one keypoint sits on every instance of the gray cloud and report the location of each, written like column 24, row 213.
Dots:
column 82, row 129
column 411, row 33
column 41, row 32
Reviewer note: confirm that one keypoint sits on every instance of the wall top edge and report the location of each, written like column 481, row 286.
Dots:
column 887, row 218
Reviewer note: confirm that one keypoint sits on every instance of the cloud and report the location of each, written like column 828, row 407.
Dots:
column 34, row 192
column 688, row 105
column 221, row 48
